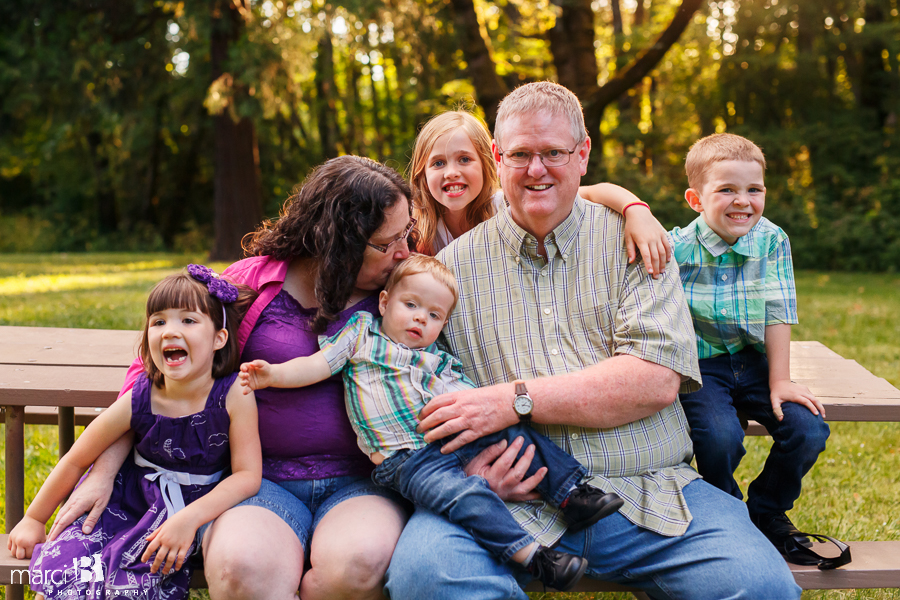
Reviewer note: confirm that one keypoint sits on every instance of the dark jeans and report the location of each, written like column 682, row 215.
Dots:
column 437, row 482
column 733, row 382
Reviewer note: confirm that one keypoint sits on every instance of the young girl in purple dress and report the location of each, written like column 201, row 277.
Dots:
column 192, row 426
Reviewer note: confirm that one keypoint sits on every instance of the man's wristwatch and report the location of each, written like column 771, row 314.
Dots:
column 522, row 403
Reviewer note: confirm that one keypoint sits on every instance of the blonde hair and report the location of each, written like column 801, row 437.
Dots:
column 716, row 148
column 425, row 208
column 542, row 97
column 421, row 263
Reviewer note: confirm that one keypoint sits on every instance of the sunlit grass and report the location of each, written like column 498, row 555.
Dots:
column 852, row 493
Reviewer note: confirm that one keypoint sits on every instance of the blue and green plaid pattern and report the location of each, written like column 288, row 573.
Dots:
column 734, row 292
column 386, row 384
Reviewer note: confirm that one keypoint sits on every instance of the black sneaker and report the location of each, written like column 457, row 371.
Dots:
column 586, row 505
column 557, row 570
column 778, row 528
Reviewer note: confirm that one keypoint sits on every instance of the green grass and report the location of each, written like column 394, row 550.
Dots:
column 852, row 493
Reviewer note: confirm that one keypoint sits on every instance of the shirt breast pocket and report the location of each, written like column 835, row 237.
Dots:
column 591, row 328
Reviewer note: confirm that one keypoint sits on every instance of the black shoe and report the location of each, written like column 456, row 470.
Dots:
column 778, row 529
column 586, row 505
column 557, row 570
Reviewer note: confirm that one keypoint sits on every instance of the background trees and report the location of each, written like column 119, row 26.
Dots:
column 177, row 124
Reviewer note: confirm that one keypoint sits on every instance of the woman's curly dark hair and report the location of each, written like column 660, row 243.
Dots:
column 330, row 217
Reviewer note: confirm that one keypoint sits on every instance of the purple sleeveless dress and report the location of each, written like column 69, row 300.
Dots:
column 198, row 444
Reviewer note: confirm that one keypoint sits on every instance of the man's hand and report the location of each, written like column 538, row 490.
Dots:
column 255, row 375
column 92, row 495
column 785, row 390
column 470, row 413
column 496, row 464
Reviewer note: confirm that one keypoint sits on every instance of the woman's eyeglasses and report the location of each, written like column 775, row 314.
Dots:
column 403, row 236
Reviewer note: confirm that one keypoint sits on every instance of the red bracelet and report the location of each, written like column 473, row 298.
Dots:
column 629, row 205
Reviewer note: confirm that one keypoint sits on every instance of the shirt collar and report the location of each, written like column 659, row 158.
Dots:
column 557, row 242
column 375, row 329
column 716, row 246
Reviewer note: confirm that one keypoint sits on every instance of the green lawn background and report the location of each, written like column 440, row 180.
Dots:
column 852, row 493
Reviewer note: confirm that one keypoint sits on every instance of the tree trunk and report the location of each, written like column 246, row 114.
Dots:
column 572, row 45
column 874, row 80
column 236, row 189
column 107, row 216
column 325, row 92
column 489, row 88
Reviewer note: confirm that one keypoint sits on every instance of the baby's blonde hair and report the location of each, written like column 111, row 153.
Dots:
column 716, row 148
column 420, row 263
column 425, row 208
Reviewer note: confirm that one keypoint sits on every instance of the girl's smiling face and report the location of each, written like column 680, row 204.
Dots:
column 183, row 343
column 454, row 171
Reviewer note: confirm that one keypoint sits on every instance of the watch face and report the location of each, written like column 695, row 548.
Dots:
column 523, row 405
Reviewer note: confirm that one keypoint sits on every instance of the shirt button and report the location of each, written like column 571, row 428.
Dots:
column 517, row 260
column 574, row 436
column 544, row 273
column 724, row 277
column 547, row 311
column 554, row 352
column 724, row 312
column 565, row 256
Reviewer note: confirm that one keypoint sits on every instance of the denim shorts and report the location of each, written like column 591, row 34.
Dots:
column 302, row 504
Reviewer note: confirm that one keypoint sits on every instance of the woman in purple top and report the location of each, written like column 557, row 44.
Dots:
column 317, row 515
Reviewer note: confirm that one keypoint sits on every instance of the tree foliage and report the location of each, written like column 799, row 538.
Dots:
column 158, row 124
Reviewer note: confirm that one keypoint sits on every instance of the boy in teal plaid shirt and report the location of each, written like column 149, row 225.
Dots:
column 736, row 269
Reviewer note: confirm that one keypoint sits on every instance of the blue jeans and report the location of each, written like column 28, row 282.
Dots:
column 721, row 555
column 437, row 482
column 740, row 382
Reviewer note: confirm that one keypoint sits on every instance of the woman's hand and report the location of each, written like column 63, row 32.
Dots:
column 644, row 234
column 25, row 536
column 171, row 543
column 94, row 492
column 496, row 464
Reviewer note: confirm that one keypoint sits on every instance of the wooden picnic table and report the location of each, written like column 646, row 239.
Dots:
column 52, row 369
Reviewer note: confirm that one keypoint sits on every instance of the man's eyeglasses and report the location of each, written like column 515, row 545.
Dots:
column 554, row 157
column 403, row 237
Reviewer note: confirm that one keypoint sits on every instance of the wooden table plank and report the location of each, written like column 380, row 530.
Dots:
column 812, row 349
column 41, row 385
column 73, row 347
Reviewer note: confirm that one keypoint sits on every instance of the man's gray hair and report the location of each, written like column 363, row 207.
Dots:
column 542, row 97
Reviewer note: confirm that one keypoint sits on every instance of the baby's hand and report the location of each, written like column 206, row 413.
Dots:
column 644, row 233
column 786, row 390
column 255, row 375
column 25, row 536
column 171, row 542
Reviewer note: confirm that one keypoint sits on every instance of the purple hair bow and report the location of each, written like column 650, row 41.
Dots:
column 218, row 288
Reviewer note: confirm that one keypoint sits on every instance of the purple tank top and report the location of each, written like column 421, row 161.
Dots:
column 305, row 432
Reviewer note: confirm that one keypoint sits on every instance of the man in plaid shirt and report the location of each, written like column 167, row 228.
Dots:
column 562, row 332
column 739, row 282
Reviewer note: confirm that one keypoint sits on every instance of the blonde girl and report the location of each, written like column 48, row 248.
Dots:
column 453, row 177
column 191, row 425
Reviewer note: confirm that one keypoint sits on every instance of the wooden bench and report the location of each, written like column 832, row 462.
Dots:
column 874, row 566
column 73, row 372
